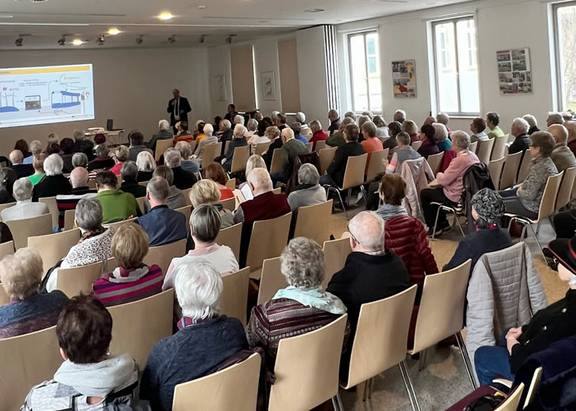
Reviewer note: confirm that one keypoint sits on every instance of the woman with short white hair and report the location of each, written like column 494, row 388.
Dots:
column 164, row 133
column 209, row 138
column 54, row 182
column 441, row 137
column 238, row 140
column 24, row 207
column 146, row 165
column 309, row 191
column 204, row 341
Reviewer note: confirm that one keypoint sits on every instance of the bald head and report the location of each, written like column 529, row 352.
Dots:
column 16, row 157
column 79, row 177
column 260, row 180
column 367, row 229
column 287, row 134
column 559, row 132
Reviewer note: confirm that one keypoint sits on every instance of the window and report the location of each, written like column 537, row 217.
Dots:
column 565, row 32
column 365, row 85
column 456, row 66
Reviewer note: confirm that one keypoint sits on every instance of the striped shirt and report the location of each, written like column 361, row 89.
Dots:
column 122, row 287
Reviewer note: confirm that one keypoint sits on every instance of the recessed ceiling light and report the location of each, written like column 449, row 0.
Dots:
column 314, row 10
column 201, row 6
column 77, row 42
column 165, row 16
column 113, row 31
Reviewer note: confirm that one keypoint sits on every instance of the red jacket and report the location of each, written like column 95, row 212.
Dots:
column 406, row 236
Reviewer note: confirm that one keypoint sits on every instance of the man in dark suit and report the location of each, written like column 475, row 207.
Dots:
column 22, row 170
column 178, row 107
column 182, row 179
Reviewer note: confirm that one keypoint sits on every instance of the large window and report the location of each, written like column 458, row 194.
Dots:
column 365, row 85
column 456, row 66
column 565, row 22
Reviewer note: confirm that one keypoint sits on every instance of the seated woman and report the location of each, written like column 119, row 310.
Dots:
column 524, row 199
column 216, row 173
column 487, row 211
column 95, row 242
column 402, row 152
column 204, row 227
column 301, row 307
column 448, row 186
column 132, row 280
column 309, row 191
column 24, row 207
column 429, row 145
column 188, row 163
column 204, row 341
column 238, row 140
column 146, row 165
column 38, row 165
column 102, row 161
column 28, row 310
column 121, row 154
column 405, row 235
column 206, row 192
column 209, row 138
column 90, row 378
column 548, row 325
column 441, row 137
column 130, row 183
column 54, row 182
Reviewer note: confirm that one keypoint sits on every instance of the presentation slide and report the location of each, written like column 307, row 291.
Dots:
column 44, row 95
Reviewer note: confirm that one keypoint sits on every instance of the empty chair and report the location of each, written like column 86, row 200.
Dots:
column 499, row 148
column 353, row 177
column 161, row 147
column 326, row 157
column 335, row 254
column 434, row 161
column 376, row 166
column 54, row 247
column 234, row 388
column 495, row 167
column 239, row 159
column 77, row 280
column 162, row 255
column 210, row 152
column 231, row 237
column 314, row 222
column 565, row 190
column 268, row 239
column 29, row 227
column 234, row 298
column 510, row 170
column 52, row 208
column 485, row 150
column 271, row 280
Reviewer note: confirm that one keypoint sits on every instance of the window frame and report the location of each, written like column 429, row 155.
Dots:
column 435, row 67
column 363, row 33
column 560, row 100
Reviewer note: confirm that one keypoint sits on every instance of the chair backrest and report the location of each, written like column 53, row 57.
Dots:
column 335, row 254
column 381, row 336
column 261, row 148
column 138, row 325
column 26, row 360
column 141, row 203
column 306, row 368
column 510, row 170
column 161, row 147
column 234, row 298
column 52, row 208
column 441, row 314
column 565, row 190
column 548, row 201
column 114, row 226
column 231, row 183
column 416, row 145
column 234, row 388
column 29, row 227
column 314, row 222
column 54, row 247
column 499, row 148
column 232, row 237
column 320, row 144
column 513, row 401
column 162, row 255
column 186, row 211
column 326, row 157
column 276, row 163
column 69, row 219
column 186, row 195
column 533, row 388
column 354, row 172
column 524, row 167
column 210, row 152
column 376, row 165
column 485, row 150
column 76, row 280
column 229, row 204
column 434, row 161
column 6, row 248
column 6, row 205
column 268, row 239
column 239, row 158
column 495, row 167
column 473, row 147
column 271, row 280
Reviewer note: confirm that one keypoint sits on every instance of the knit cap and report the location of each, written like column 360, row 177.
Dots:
column 489, row 205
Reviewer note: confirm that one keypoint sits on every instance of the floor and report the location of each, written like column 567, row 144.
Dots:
column 443, row 381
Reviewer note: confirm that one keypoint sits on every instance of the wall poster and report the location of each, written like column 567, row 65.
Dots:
column 404, row 78
column 514, row 71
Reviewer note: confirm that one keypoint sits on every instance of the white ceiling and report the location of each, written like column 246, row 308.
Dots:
column 43, row 23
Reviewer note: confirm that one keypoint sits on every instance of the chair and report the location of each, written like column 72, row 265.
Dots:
column 29, row 227
column 239, row 159
column 69, row 219
column 114, row 226
column 353, row 177
column 524, row 167
column 320, row 144
column 141, row 203
column 335, row 254
column 162, row 255
column 314, row 222
column 306, row 369
column 499, row 148
column 52, row 208
column 434, row 161
column 271, row 280
column 376, row 165
column 210, row 152
column 231, row 183
column 513, row 401
column 229, row 204
column 231, row 237
column 495, row 167
column 276, row 163
column 186, row 194
column 138, row 325
column 510, row 170
column 234, row 388
column 234, row 298
column 78, row 280
column 186, row 211
column 416, row 145
column 6, row 205
column 381, row 339
column 161, row 147
column 532, row 389
column 54, row 247
column 6, row 248
column 268, row 239
column 485, row 150
column 473, row 146
column 441, row 313
column 4, row 298
column 26, row 360
column 565, row 190
column 310, row 146
column 261, row 148
column 326, row 157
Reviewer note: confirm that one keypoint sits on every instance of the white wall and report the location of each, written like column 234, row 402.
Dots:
column 132, row 86
column 266, row 59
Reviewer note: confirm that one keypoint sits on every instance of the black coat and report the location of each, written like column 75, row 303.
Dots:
column 51, row 186
column 183, row 179
column 338, row 166
column 133, row 188
column 184, row 109
column 520, row 143
column 277, row 143
column 23, row 170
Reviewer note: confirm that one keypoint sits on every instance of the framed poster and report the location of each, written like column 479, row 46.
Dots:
column 268, row 79
column 404, row 78
column 514, row 71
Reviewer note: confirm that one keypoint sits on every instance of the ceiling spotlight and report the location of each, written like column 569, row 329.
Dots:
column 140, row 39
column 203, row 39
column 113, row 31
column 230, row 38
column 19, row 41
column 100, row 40
column 62, row 41
column 172, row 39
column 165, row 16
column 77, row 42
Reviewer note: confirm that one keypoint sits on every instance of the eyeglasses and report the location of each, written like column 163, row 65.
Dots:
column 352, row 235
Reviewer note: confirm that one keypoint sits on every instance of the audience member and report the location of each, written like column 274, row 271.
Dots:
column 22, row 145
column 38, row 165
column 116, row 204
column 130, row 183
column 7, row 180
column 24, row 207
column 67, row 152
column 102, row 161
column 441, row 137
column 338, row 138
column 443, row 118
column 399, row 116
column 35, row 150
column 532, row 122
column 136, row 140
column 252, row 127
column 188, row 163
column 80, row 190
column 402, row 152
column 318, row 134
column 371, row 142
column 409, row 127
column 164, row 133
column 54, row 182
column 183, row 133
column 238, row 140
column 562, row 156
column 273, row 134
column 335, row 173
column 82, row 144
column 571, row 127
column 297, row 130
column 206, row 192
column 146, row 165
column 289, row 152
column 381, row 128
column 254, row 161
column 334, row 119
column 554, row 118
column 492, row 121
column 21, row 170
column 393, row 129
column 216, row 173
column 478, row 127
column 521, row 141
column 120, row 157
column 309, row 191
column 225, row 134
column 231, row 112
column 176, row 198
column 207, row 140
column 53, row 148
column 79, row 160
column 304, row 127
column 89, row 378
column 182, row 179
column 428, row 139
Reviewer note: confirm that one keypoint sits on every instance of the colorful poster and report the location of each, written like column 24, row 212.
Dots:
column 514, row 71
column 404, row 78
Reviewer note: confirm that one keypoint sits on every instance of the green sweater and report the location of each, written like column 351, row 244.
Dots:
column 117, row 205
column 495, row 132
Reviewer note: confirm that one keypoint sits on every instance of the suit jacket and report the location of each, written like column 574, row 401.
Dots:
column 338, row 166
column 184, row 109
column 164, row 225
column 23, row 170
column 183, row 179
column 521, row 143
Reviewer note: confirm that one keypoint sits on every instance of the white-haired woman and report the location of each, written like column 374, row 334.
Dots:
column 309, row 191
column 146, row 165
column 164, row 133
column 238, row 140
column 24, row 207
column 209, row 138
column 188, row 163
column 20, row 275
column 204, row 341
column 54, row 182
column 441, row 137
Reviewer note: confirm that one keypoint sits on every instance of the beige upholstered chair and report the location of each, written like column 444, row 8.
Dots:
column 113, row 226
column 54, row 247
column 565, row 190
column 141, row 204
column 416, row 145
column 320, row 145
column 276, row 163
column 6, row 248
column 473, row 147
column 499, row 148
column 485, row 150
column 229, row 204
column 52, row 208
column 495, row 167
column 512, row 403
column 210, row 152
column 138, row 325
column 234, row 388
column 268, row 239
column 335, row 254
column 231, row 183
column 524, row 167
column 6, row 205
column 69, row 219
column 306, row 369
column 261, row 148
column 186, row 211
column 434, row 161
column 234, row 298
column 73, row 281
column 326, row 157
column 271, row 280
column 376, row 166
column 510, row 171
column 313, row 222
column 353, row 177
column 161, row 147
column 162, row 255
column 239, row 159
column 231, row 236
column 29, row 227
column 26, row 360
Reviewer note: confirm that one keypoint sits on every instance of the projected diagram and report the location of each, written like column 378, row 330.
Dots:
column 40, row 95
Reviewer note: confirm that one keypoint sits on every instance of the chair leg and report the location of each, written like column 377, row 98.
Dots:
column 342, row 202
column 459, row 225
column 466, row 358
column 337, row 403
column 364, row 195
column 409, row 386
column 436, row 222
column 537, row 240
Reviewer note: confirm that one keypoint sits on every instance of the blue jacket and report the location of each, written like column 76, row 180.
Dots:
column 478, row 243
column 164, row 225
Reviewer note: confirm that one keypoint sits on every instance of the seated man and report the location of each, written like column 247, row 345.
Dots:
column 291, row 149
column 116, row 204
column 89, row 377
column 175, row 196
column 24, row 207
column 335, row 173
column 130, row 184
column 136, row 139
column 562, row 156
column 162, row 224
column 22, row 170
column 521, row 141
column 273, row 134
column 182, row 179
column 82, row 144
column 103, row 161
column 204, row 341
column 402, row 152
column 80, row 189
